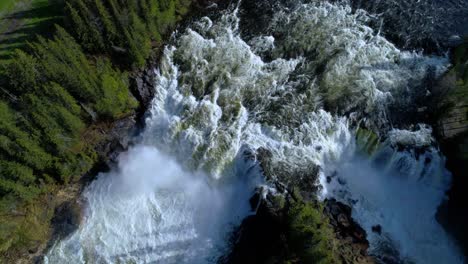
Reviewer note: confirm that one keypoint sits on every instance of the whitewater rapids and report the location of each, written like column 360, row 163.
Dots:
column 301, row 89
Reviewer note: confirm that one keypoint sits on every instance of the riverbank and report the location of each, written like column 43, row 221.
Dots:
column 65, row 206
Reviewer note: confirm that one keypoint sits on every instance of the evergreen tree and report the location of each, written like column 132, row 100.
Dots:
column 92, row 39
column 22, row 73
column 106, row 18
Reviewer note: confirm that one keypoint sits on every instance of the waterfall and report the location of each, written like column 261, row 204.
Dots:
column 399, row 191
column 301, row 89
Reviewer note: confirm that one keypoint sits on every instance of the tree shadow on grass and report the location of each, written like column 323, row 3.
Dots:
column 24, row 26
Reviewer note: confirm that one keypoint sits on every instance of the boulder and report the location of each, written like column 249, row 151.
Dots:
column 345, row 226
column 377, row 229
column 260, row 238
column 142, row 86
column 67, row 218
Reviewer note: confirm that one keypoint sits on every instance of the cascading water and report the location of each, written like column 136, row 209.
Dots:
column 152, row 210
column 299, row 89
column 400, row 192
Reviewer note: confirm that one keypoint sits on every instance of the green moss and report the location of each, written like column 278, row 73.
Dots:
column 309, row 235
column 460, row 60
column 367, row 141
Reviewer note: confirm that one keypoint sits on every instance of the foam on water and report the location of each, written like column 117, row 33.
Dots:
column 177, row 194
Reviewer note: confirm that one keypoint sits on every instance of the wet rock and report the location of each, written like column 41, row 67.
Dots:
column 452, row 131
column 66, row 220
column 389, row 254
column 288, row 178
column 120, row 134
column 343, row 220
column 260, row 239
column 142, row 86
column 341, row 181
column 254, row 201
column 351, row 236
column 117, row 139
column 377, row 229
column 33, row 249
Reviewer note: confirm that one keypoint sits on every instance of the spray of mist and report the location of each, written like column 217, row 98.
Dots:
column 151, row 209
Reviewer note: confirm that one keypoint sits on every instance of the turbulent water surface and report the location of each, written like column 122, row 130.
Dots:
column 309, row 86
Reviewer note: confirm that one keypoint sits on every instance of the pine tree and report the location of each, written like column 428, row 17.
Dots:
column 149, row 11
column 106, row 18
column 22, row 73
column 139, row 40
column 93, row 39
column 76, row 23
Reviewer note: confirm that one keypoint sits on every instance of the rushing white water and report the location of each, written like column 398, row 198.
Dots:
column 400, row 192
column 178, row 193
column 152, row 210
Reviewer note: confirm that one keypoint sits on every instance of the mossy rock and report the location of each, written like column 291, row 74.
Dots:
column 309, row 234
column 367, row 141
column 460, row 68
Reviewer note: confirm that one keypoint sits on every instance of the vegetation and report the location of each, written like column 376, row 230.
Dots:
column 6, row 5
column 22, row 20
column 309, row 236
column 124, row 28
column 460, row 59
column 43, row 116
column 54, row 90
column 367, row 141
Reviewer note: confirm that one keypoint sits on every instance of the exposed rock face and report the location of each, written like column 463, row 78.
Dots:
column 67, row 218
column 142, row 86
column 452, row 130
column 352, row 237
column 117, row 137
column 285, row 178
column 260, row 239
column 453, row 118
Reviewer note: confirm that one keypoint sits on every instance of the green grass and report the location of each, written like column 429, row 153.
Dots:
column 21, row 21
column 6, row 5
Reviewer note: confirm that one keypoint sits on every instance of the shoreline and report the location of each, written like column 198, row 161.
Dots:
column 119, row 135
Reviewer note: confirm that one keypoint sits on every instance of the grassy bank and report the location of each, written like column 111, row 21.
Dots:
column 23, row 20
